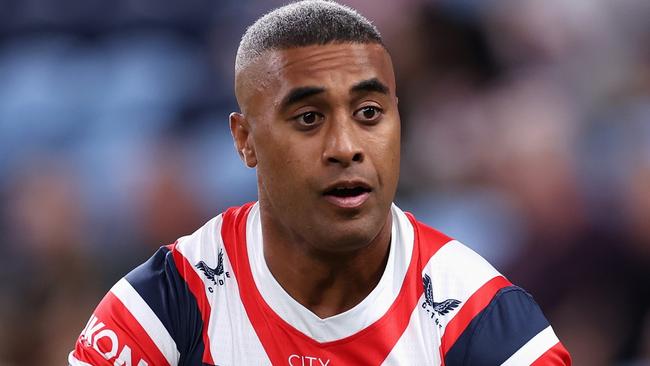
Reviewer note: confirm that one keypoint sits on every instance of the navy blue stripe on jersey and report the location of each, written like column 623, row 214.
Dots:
column 510, row 320
column 164, row 290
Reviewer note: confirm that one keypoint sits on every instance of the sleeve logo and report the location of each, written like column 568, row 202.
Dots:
column 217, row 274
column 436, row 309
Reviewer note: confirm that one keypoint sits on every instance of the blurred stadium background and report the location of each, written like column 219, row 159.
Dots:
column 526, row 134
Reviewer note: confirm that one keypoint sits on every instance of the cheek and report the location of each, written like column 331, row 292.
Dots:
column 282, row 163
column 270, row 146
column 386, row 148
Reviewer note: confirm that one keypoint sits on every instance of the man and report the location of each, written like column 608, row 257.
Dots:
column 323, row 269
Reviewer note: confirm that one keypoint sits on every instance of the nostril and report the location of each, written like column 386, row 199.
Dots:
column 344, row 159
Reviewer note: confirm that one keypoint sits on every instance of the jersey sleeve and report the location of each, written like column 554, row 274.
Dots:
column 149, row 317
column 511, row 331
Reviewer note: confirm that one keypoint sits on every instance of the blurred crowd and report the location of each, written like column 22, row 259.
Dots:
column 526, row 135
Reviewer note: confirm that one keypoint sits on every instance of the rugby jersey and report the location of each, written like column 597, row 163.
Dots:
column 210, row 299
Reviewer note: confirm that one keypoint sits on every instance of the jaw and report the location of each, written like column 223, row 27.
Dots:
column 325, row 228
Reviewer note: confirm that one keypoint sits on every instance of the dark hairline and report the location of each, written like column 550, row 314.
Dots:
column 263, row 52
column 302, row 24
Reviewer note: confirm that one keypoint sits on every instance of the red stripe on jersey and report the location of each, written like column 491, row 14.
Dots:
column 474, row 305
column 114, row 333
column 424, row 234
column 197, row 288
column 555, row 356
column 282, row 342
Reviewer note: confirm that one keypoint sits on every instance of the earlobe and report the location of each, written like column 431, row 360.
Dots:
column 240, row 130
column 249, row 156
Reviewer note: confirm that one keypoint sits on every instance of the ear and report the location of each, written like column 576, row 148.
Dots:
column 241, row 134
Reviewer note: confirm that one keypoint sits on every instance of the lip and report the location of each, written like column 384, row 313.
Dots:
column 347, row 184
column 348, row 202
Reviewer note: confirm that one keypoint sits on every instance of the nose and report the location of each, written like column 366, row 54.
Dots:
column 342, row 143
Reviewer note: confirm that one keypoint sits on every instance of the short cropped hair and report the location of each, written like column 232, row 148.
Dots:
column 304, row 23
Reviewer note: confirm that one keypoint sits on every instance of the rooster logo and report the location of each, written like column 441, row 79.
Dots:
column 436, row 308
column 213, row 274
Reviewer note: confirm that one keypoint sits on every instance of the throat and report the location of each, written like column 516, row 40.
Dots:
column 327, row 284
column 323, row 281
column 329, row 290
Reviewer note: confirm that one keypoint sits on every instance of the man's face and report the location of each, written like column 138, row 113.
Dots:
column 321, row 125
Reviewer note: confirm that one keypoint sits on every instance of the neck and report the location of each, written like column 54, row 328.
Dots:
column 326, row 283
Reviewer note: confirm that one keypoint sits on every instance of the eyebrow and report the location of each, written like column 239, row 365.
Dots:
column 300, row 93
column 370, row 85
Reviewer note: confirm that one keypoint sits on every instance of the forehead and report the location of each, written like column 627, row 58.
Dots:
column 319, row 60
column 332, row 66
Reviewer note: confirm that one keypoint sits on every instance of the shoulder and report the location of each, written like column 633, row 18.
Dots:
column 482, row 318
column 134, row 322
column 510, row 330
column 156, row 313
column 455, row 270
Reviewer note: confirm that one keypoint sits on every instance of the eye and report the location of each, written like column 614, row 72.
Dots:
column 308, row 119
column 368, row 113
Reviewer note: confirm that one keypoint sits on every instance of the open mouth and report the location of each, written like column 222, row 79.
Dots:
column 348, row 194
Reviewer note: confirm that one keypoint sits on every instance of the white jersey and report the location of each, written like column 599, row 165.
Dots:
column 210, row 299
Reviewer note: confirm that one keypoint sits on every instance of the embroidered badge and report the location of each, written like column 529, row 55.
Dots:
column 215, row 275
column 436, row 309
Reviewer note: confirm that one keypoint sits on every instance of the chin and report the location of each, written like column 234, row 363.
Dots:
column 352, row 235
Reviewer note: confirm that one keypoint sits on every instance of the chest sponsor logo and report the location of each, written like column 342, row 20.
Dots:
column 106, row 343
column 217, row 275
column 298, row 360
column 436, row 309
